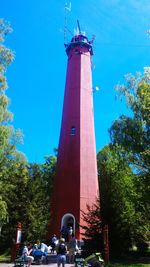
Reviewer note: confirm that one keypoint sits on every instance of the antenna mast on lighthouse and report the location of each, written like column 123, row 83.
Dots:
column 67, row 9
column 79, row 26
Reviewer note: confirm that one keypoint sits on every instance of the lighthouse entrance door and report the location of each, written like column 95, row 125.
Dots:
column 67, row 220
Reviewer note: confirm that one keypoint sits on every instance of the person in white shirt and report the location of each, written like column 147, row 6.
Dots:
column 44, row 248
column 26, row 255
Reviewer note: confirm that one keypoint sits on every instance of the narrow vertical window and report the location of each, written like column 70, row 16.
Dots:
column 72, row 130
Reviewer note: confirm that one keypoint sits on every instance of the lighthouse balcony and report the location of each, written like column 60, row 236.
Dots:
column 79, row 40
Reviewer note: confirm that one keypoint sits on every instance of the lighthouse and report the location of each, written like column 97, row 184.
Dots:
column 76, row 180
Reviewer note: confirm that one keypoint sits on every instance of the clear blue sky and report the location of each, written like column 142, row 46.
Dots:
column 37, row 76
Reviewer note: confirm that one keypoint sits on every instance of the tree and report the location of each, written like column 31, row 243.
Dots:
column 39, row 194
column 118, row 197
column 12, row 163
column 132, row 135
column 25, row 189
column 4, row 213
column 93, row 240
column 16, row 199
column 28, row 201
column 6, row 57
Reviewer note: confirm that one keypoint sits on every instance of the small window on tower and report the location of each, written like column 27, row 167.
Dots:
column 72, row 130
column 76, row 51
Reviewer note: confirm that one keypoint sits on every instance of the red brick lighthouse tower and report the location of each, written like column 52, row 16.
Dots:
column 76, row 181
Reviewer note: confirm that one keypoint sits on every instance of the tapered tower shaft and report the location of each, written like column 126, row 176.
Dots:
column 76, row 182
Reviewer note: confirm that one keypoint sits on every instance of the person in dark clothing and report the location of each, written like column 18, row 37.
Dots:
column 54, row 243
column 70, row 233
column 61, row 253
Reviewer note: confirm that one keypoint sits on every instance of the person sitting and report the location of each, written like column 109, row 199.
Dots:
column 39, row 252
column 26, row 255
column 44, row 248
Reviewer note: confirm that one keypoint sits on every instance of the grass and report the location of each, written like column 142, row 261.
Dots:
column 5, row 257
column 129, row 265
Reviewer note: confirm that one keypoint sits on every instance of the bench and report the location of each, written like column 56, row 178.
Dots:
column 20, row 262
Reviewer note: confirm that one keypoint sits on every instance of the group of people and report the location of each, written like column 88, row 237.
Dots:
column 60, row 246
column 36, row 252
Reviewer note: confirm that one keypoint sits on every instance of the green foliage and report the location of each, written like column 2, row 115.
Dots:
column 13, row 170
column 27, row 196
column 93, row 241
column 132, row 133
column 5, row 28
column 15, row 196
column 118, row 198
column 25, row 189
column 39, row 192
column 131, row 136
column 4, row 213
column 128, row 265
column 7, row 149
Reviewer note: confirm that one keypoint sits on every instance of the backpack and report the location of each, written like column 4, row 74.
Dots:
column 62, row 249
